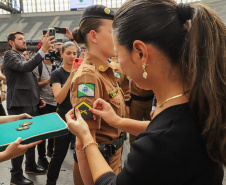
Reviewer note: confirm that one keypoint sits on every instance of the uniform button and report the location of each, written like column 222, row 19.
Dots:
column 90, row 63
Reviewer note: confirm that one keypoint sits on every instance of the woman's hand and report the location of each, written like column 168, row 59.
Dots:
column 77, row 126
column 105, row 111
column 15, row 149
column 24, row 116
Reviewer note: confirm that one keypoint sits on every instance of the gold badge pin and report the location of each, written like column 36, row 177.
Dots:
column 101, row 67
column 24, row 126
column 107, row 10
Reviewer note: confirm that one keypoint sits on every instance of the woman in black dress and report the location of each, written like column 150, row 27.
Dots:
column 178, row 51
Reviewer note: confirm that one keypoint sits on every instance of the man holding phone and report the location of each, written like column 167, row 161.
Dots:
column 23, row 95
column 57, row 46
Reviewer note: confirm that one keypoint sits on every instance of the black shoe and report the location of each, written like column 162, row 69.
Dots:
column 35, row 170
column 21, row 180
column 49, row 153
column 43, row 162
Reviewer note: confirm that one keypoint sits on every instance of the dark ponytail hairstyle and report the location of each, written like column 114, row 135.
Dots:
column 88, row 24
column 197, row 47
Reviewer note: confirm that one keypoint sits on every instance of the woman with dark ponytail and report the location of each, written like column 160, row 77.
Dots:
column 179, row 52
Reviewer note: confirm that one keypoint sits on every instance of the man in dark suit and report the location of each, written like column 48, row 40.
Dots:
column 23, row 95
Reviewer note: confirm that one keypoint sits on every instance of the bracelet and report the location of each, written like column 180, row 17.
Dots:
column 90, row 143
column 72, row 39
column 4, row 91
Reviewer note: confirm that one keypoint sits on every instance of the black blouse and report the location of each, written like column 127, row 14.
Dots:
column 169, row 152
column 61, row 76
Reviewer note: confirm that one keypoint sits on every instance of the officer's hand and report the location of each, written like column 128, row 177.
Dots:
column 47, row 42
column 15, row 149
column 77, row 124
column 105, row 111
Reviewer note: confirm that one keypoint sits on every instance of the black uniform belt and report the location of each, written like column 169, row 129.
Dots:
column 140, row 98
column 107, row 150
column 110, row 149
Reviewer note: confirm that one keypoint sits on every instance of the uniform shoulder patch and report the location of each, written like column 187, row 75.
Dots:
column 84, row 110
column 117, row 75
column 86, row 90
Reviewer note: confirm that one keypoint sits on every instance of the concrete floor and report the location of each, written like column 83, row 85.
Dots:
column 66, row 174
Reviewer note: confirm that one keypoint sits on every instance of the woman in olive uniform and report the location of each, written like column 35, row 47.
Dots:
column 122, row 79
column 95, row 79
column 125, row 84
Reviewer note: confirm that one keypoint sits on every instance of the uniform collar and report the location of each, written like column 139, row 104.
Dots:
column 98, row 63
column 114, row 59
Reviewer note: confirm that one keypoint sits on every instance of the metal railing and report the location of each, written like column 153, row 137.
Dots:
column 35, row 6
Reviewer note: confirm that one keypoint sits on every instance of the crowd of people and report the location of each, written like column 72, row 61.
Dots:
column 148, row 52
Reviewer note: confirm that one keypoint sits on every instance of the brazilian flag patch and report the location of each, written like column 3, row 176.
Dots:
column 86, row 90
column 117, row 75
column 84, row 110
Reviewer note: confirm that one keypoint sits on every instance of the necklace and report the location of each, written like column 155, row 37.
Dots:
column 174, row 97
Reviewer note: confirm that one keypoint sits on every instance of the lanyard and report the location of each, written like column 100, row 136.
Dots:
column 47, row 69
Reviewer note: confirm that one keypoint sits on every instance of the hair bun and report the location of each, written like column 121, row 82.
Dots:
column 78, row 35
column 184, row 12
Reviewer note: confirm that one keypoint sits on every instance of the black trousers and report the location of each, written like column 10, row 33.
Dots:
column 61, row 145
column 30, row 154
column 2, row 110
column 42, row 146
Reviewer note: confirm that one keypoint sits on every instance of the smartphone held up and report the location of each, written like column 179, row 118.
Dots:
column 77, row 62
column 53, row 31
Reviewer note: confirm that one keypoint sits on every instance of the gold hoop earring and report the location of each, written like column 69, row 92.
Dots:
column 145, row 74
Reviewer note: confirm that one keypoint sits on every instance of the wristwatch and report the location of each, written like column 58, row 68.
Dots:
column 4, row 91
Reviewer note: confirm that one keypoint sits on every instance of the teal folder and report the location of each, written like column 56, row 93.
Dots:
column 30, row 130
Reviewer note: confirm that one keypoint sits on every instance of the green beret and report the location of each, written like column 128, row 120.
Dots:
column 97, row 11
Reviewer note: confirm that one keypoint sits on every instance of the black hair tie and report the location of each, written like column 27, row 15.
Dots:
column 184, row 12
